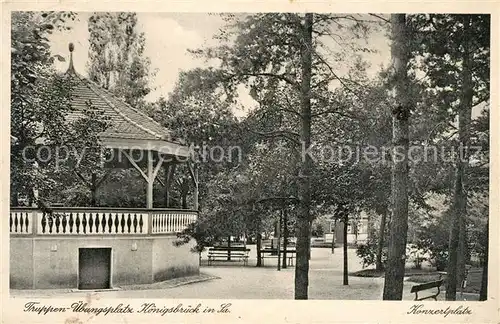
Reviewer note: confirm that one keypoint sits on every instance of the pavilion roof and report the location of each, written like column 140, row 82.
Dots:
column 128, row 127
column 125, row 121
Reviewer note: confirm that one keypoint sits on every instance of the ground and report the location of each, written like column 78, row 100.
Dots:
column 232, row 280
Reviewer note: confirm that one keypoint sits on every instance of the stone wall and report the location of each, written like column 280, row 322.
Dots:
column 52, row 262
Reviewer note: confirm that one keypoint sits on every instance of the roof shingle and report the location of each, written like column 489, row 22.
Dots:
column 125, row 121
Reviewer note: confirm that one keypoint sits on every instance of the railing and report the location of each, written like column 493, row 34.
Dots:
column 99, row 221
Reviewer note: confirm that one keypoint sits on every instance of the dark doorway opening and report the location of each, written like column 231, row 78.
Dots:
column 94, row 268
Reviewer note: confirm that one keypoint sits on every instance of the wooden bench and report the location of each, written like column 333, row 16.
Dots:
column 273, row 253
column 425, row 286
column 224, row 253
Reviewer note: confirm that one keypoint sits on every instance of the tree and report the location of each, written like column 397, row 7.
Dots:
column 455, row 52
column 116, row 56
column 283, row 55
column 39, row 101
column 394, row 275
column 117, row 64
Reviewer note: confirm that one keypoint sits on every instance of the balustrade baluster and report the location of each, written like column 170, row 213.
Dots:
column 97, row 222
column 50, row 221
column 141, row 223
column 64, row 223
column 77, row 223
column 71, row 223
column 122, row 223
column 57, row 222
column 117, row 223
column 27, row 223
column 11, row 222
column 104, row 223
column 21, row 222
column 129, row 223
column 84, row 223
column 91, row 223
column 43, row 222
column 110, row 223
column 135, row 223
column 15, row 222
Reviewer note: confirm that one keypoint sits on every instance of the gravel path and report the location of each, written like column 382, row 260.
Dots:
column 232, row 280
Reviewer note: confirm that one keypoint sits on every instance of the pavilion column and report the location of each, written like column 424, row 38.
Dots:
column 150, row 181
column 150, row 174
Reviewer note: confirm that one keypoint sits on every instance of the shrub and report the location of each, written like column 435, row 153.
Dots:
column 368, row 253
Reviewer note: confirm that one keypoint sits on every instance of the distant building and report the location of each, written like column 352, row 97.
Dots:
column 357, row 230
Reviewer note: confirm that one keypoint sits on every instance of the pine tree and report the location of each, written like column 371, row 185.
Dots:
column 394, row 274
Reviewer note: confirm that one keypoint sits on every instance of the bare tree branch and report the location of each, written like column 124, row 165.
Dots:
column 291, row 136
column 281, row 77
column 335, row 75
column 381, row 18
column 336, row 112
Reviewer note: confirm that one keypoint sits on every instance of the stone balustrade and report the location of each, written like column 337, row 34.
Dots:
column 79, row 221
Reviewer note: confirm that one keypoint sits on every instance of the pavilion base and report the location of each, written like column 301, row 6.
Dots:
column 75, row 262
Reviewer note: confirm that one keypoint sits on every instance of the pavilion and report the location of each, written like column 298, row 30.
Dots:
column 102, row 247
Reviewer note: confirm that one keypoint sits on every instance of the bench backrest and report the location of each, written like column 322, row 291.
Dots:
column 225, row 248
column 427, row 285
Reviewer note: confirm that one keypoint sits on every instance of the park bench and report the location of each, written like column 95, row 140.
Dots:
column 273, row 253
column 425, row 286
column 224, row 253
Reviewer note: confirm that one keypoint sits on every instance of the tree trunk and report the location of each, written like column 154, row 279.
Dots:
column 304, row 185
column 228, row 248
column 309, row 241
column 167, row 181
column 278, row 245
column 393, row 285
column 334, row 235
column 259, row 247
column 380, row 246
column 456, row 261
column 285, row 236
column 483, row 293
column 93, row 190
column 345, row 248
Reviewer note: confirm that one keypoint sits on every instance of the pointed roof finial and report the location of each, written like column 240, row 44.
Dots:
column 71, row 68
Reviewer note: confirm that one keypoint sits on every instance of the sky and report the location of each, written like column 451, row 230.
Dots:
column 168, row 37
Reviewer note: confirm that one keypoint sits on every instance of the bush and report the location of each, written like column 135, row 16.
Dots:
column 368, row 253
column 433, row 239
